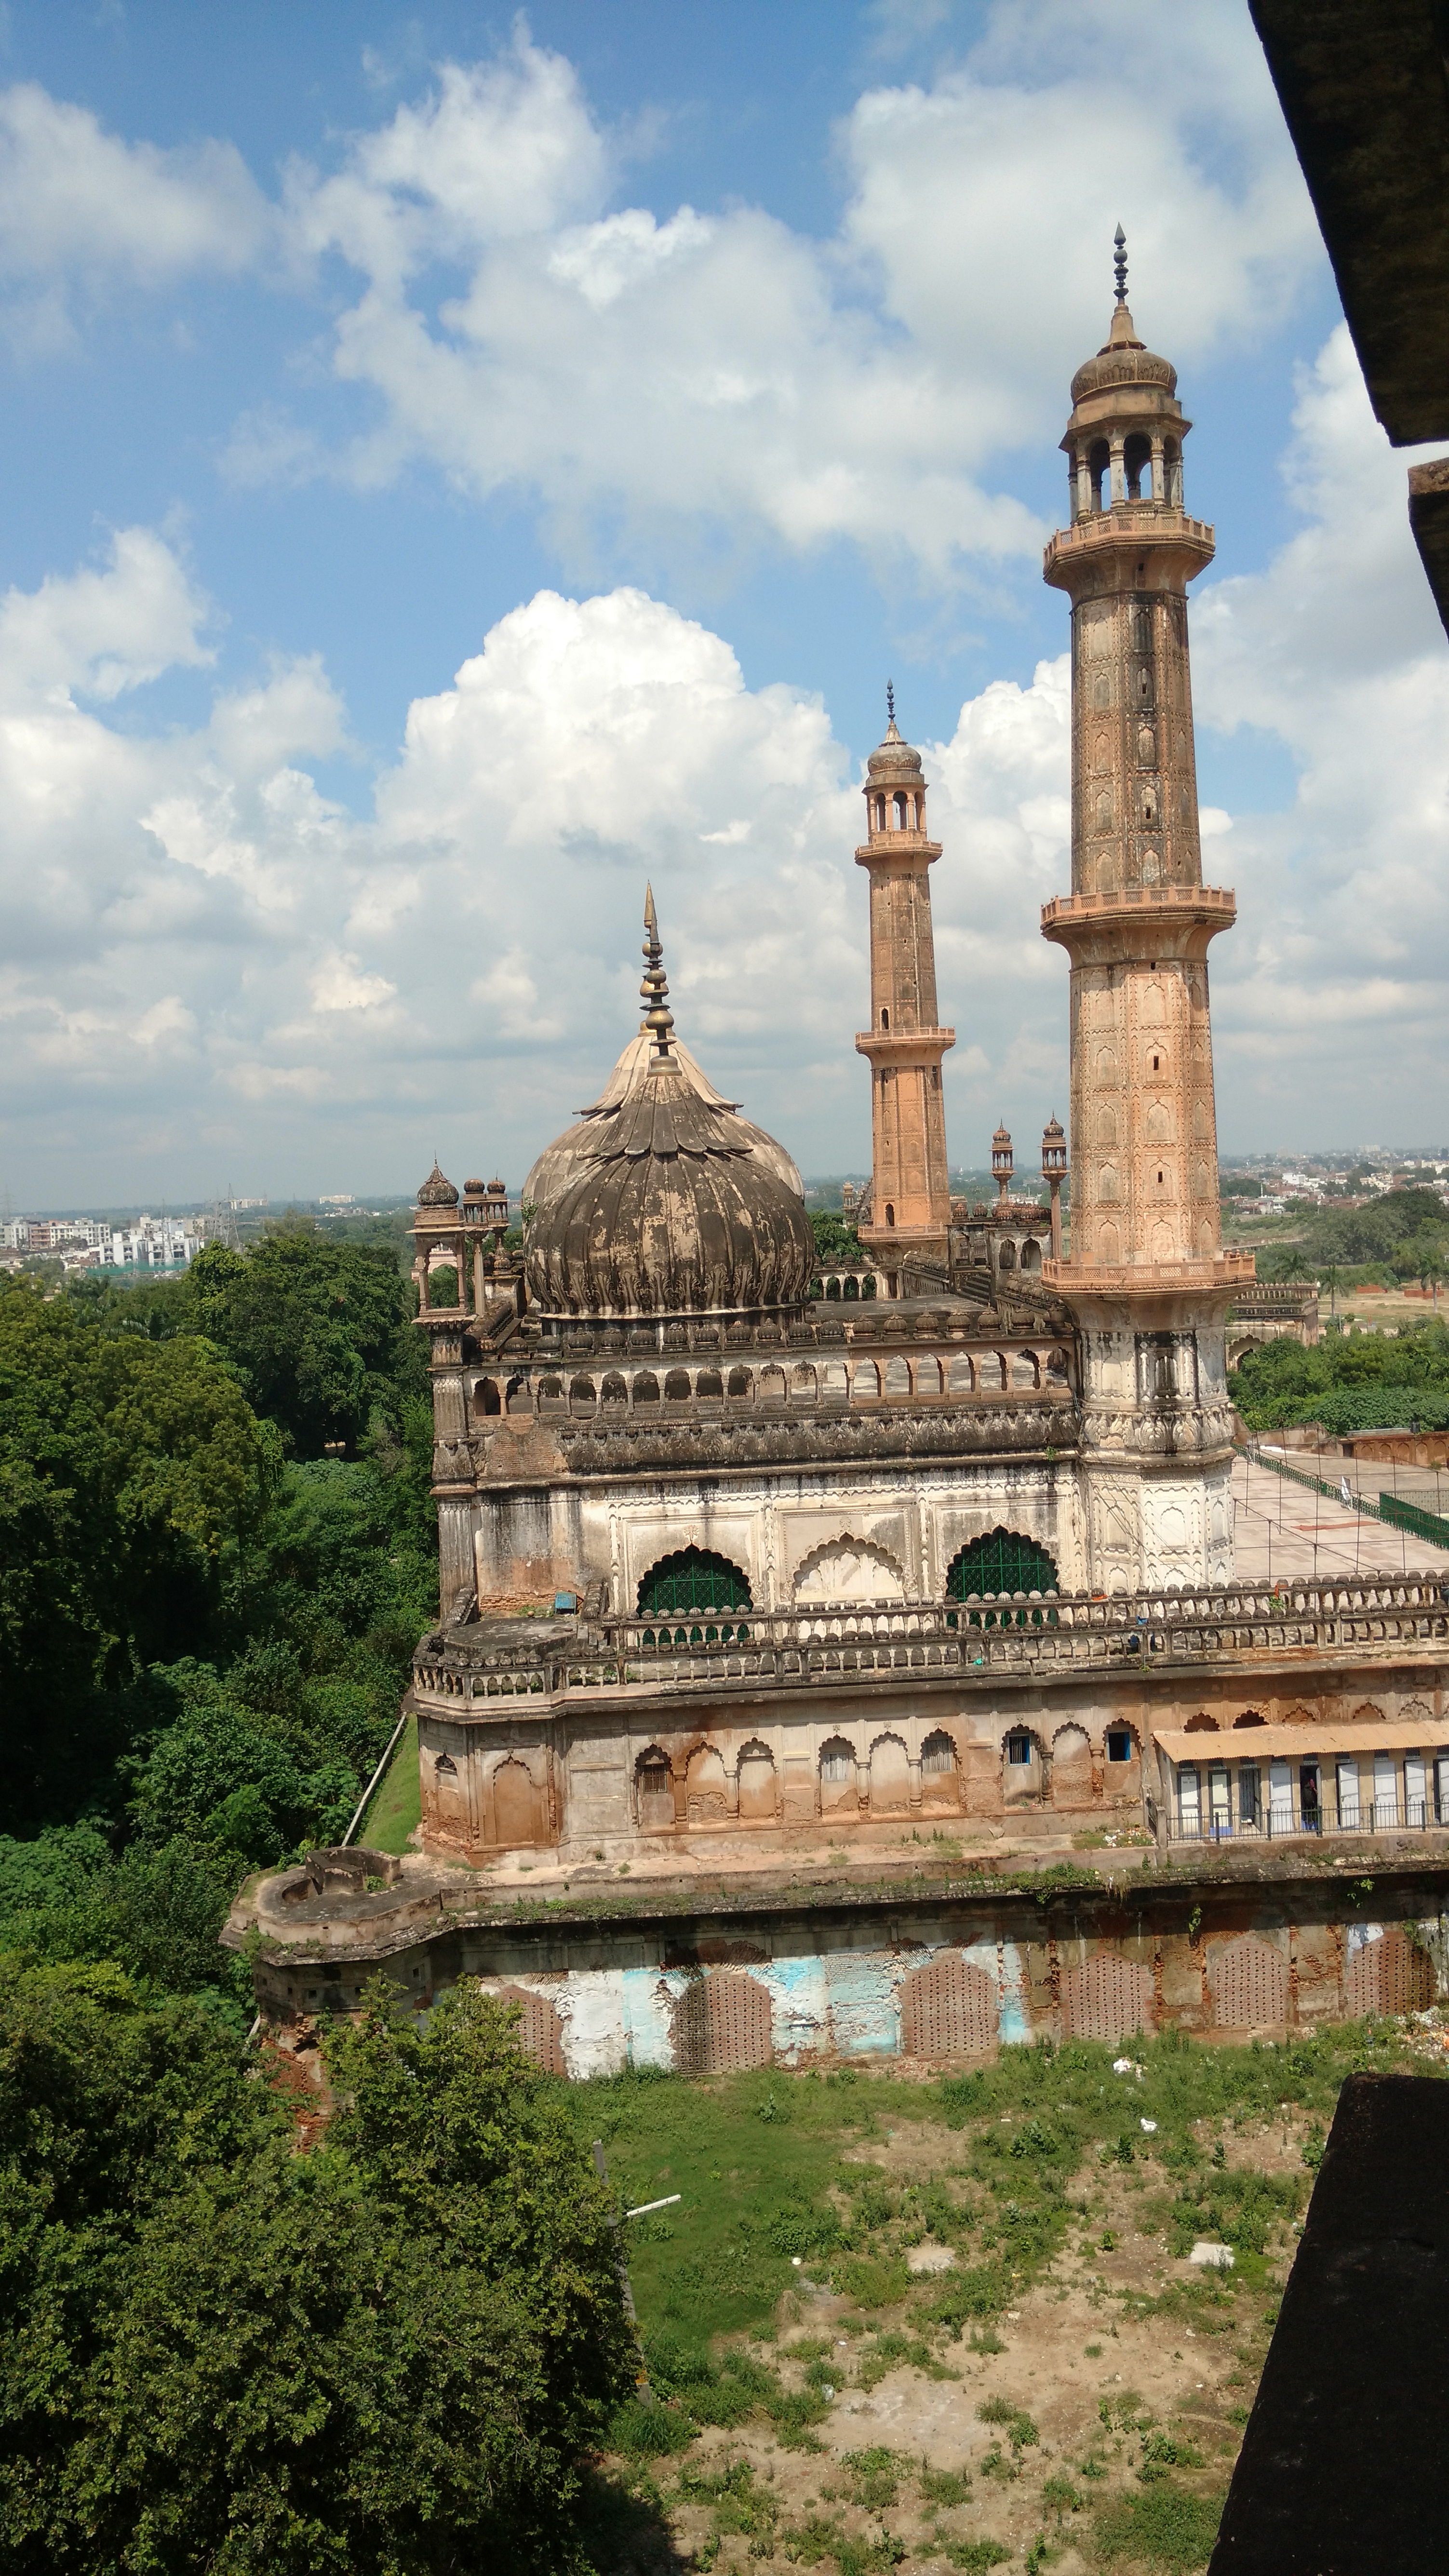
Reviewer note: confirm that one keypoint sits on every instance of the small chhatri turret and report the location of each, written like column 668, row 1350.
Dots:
column 1003, row 1164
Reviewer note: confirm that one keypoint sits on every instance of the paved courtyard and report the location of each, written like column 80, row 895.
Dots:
column 1282, row 1528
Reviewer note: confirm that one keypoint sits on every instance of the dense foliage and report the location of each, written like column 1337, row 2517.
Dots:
column 205, row 1623
column 390, row 2353
column 835, row 1236
column 383, row 2356
column 1402, row 1235
column 1348, row 1381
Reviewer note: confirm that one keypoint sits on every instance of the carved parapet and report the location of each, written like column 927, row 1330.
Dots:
column 1192, row 1431
column 1219, row 1271
column 1170, row 920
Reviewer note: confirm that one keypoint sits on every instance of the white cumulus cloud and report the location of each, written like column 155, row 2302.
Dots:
column 84, row 209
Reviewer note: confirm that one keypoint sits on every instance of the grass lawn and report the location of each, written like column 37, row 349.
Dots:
column 396, row 1804
column 825, row 2403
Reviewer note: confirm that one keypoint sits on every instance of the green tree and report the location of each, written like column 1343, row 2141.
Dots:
column 128, row 1471
column 388, row 2355
column 835, row 1237
column 320, row 1332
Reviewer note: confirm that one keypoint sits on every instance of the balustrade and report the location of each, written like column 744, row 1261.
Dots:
column 1049, row 1632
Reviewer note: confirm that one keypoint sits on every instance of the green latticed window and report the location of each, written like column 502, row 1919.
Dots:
column 1003, row 1561
column 692, row 1579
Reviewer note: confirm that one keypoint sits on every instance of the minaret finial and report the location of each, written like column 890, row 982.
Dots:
column 1119, row 262
column 654, row 991
column 890, row 702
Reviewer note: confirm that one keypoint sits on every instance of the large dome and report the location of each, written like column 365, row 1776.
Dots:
column 661, row 1200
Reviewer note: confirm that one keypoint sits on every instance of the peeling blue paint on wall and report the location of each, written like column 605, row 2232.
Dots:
column 650, row 1995
column 865, row 2012
column 799, row 2006
column 1015, row 2029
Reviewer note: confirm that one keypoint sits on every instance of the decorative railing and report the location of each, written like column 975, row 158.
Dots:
column 1146, row 898
column 1045, row 1634
column 1284, row 1814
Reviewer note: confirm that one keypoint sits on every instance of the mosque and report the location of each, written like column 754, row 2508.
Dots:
column 667, row 1413
column 752, row 1563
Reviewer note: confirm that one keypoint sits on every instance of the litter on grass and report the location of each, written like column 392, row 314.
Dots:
column 930, row 2258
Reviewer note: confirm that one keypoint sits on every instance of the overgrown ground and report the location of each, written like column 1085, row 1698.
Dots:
column 1067, row 2391
column 395, row 1809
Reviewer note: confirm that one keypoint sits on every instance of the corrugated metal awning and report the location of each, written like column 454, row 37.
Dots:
column 1277, row 1743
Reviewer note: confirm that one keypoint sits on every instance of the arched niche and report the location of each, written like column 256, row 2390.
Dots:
column 940, row 1773
column 890, row 1777
column 759, row 1788
column 849, row 1569
column 653, row 1791
column 514, row 1801
column 839, row 1795
column 706, row 1800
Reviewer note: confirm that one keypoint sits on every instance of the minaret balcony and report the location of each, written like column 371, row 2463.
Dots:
column 1217, row 1273
column 904, row 1046
column 1150, row 917
column 1128, row 523
column 898, row 849
column 1216, row 903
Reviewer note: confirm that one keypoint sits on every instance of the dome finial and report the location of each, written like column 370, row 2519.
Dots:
column 654, row 991
column 890, row 702
column 1119, row 263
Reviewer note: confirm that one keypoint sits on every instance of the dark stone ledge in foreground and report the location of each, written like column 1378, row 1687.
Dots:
column 1342, row 2469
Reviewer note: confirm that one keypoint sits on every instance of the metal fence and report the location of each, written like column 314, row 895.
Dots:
column 1391, row 1509
column 1412, row 1517
column 1279, row 1817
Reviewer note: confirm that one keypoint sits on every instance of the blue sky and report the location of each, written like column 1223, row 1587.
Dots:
column 459, row 465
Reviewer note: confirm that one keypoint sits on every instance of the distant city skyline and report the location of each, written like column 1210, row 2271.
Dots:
column 363, row 1202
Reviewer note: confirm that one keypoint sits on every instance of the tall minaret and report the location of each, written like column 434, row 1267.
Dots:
column 1146, row 1276
column 910, row 1199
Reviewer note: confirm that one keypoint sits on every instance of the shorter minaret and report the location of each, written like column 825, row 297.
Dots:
column 910, row 1200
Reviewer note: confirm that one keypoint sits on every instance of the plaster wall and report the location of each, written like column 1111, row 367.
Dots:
column 1266, row 1961
column 907, row 1525
column 768, row 1764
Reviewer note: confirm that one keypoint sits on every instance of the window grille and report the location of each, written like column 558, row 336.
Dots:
column 693, row 1579
column 1003, row 1561
column 1018, row 1748
column 837, row 1761
column 938, row 1753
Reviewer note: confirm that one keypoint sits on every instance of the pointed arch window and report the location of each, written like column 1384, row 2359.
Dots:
column 693, row 1578
column 1004, row 1561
